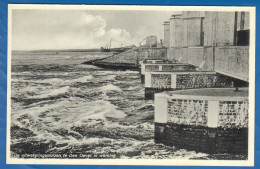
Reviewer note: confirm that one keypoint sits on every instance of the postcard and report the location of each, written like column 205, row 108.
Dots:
column 131, row 85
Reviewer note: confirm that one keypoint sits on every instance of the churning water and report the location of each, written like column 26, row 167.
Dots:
column 62, row 106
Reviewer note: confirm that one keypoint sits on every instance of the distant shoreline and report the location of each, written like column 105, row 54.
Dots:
column 57, row 50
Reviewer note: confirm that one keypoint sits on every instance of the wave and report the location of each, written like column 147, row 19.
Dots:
column 55, row 81
column 110, row 87
column 81, row 79
column 134, row 88
column 110, row 77
column 66, row 113
column 98, row 110
column 67, row 81
column 52, row 93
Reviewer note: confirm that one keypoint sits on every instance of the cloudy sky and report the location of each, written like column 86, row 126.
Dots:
column 71, row 29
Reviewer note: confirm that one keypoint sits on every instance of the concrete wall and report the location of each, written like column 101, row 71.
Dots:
column 202, row 123
column 219, row 28
column 189, row 112
column 175, row 31
column 202, row 57
column 243, row 21
column 203, row 139
column 202, row 80
column 151, row 53
column 195, row 28
column 233, row 61
column 192, row 32
column 151, row 68
column 154, row 61
column 186, row 80
column 193, row 14
column 166, row 34
column 233, row 114
column 163, row 81
column 230, row 60
column 166, row 67
column 197, row 56
column 206, row 111
column 174, row 53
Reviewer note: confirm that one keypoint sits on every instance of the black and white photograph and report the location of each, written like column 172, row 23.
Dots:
column 128, row 85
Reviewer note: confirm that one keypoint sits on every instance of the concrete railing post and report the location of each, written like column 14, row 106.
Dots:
column 142, row 68
column 160, row 68
column 173, row 81
column 160, row 117
column 160, row 108
column 213, row 111
column 148, row 80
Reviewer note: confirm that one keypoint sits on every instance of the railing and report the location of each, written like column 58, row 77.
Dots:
column 201, row 110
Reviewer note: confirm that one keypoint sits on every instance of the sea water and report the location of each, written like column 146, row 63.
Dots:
column 59, row 105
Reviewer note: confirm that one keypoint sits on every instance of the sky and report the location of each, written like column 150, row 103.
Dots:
column 82, row 29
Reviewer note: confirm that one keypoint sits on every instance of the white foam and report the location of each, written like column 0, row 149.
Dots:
column 69, row 114
column 51, row 80
column 56, row 81
column 82, row 79
column 133, row 87
column 110, row 77
column 52, row 93
column 97, row 110
column 110, row 87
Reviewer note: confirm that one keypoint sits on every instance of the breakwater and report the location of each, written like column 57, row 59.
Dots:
column 120, row 61
column 130, row 59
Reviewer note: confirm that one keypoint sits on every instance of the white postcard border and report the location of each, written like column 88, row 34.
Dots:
column 154, row 162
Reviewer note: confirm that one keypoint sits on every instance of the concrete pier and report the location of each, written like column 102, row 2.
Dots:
column 165, row 67
column 208, row 120
column 166, row 81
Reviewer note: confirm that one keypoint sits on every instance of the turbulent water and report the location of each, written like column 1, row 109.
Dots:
column 62, row 106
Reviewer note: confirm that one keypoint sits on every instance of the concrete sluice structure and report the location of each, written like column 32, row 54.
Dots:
column 200, row 42
column 193, row 83
column 204, row 58
column 204, row 120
